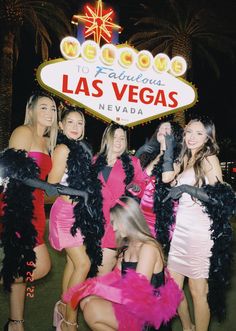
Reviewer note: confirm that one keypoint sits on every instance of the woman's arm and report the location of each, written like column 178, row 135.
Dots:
column 212, row 169
column 149, row 260
column 21, row 138
column 169, row 176
column 59, row 160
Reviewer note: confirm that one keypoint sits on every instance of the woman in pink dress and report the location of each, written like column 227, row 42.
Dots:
column 72, row 227
column 200, row 248
column 24, row 222
column 116, row 169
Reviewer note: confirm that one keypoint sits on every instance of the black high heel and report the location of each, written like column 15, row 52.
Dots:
column 11, row 321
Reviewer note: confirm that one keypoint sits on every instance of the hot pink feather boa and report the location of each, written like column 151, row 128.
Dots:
column 135, row 301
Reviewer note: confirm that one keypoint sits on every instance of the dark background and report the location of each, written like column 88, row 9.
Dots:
column 216, row 96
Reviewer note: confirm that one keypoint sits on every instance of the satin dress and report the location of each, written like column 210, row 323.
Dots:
column 147, row 202
column 61, row 221
column 39, row 219
column 190, row 248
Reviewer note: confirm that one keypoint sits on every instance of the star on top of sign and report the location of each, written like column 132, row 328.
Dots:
column 98, row 22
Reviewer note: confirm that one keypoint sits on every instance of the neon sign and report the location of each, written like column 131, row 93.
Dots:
column 98, row 22
column 118, row 83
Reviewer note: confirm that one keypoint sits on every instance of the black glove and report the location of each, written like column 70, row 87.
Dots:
column 196, row 192
column 50, row 189
column 149, row 147
column 66, row 190
column 169, row 153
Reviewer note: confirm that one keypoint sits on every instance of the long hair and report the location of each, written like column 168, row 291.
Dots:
column 127, row 213
column 30, row 117
column 176, row 130
column 65, row 110
column 108, row 138
column 210, row 147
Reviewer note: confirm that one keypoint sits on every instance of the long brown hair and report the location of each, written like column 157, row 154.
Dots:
column 210, row 147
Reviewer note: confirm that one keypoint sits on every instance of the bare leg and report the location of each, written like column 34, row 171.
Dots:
column 17, row 302
column 67, row 274
column 17, row 295
column 108, row 261
column 99, row 315
column 80, row 264
column 43, row 262
column 183, row 310
column 199, row 289
column 65, row 281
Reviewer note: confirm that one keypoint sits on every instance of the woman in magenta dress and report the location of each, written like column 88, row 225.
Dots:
column 201, row 245
column 26, row 255
column 115, row 169
column 159, row 216
column 139, row 294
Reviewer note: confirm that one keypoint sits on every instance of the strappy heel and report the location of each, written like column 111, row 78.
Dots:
column 57, row 315
column 67, row 322
column 12, row 321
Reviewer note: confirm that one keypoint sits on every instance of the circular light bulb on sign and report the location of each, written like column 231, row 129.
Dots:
column 161, row 63
column 108, row 54
column 90, row 51
column 144, row 60
column 178, row 66
column 70, row 48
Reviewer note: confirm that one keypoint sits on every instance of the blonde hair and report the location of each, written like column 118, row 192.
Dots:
column 108, row 138
column 65, row 110
column 30, row 118
column 210, row 147
column 127, row 212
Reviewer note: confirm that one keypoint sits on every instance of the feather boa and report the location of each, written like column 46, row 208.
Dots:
column 165, row 218
column 127, row 166
column 101, row 286
column 222, row 236
column 133, row 308
column 81, row 176
column 19, row 234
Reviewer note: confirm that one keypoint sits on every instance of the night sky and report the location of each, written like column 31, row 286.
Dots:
column 216, row 96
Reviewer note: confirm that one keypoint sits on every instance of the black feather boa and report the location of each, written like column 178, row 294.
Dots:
column 127, row 166
column 19, row 234
column 222, row 236
column 81, row 177
column 164, row 211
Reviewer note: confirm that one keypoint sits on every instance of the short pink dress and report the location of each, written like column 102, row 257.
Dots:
column 190, row 248
column 61, row 220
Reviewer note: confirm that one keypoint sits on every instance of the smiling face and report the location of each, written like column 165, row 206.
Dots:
column 73, row 125
column 195, row 136
column 165, row 128
column 119, row 142
column 44, row 111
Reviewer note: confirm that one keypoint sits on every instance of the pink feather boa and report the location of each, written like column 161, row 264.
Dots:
column 135, row 301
